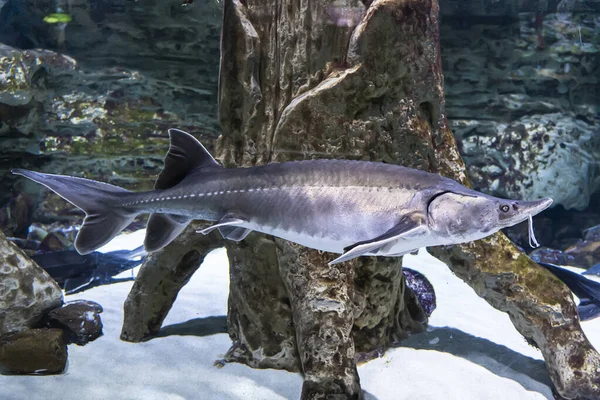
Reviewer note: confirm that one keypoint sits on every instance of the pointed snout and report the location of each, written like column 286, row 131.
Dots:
column 513, row 212
column 535, row 207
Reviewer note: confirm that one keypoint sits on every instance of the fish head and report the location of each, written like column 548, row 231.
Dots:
column 470, row 216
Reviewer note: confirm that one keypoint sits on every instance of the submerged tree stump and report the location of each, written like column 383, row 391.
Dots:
column 309, row 315
column 336, row 79
column 159, row 281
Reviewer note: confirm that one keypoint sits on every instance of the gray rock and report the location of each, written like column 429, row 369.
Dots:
column 27, row 292
column 33, row 351
column 160, row 279
column 79, row 319
column 592, row 233
column 550, row 155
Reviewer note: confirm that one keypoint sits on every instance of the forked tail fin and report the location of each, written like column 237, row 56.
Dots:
column 104, row 217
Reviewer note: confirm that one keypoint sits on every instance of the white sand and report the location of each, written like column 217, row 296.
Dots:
column 471, row 351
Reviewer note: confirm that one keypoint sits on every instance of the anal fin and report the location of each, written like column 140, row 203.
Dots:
column 381, row 243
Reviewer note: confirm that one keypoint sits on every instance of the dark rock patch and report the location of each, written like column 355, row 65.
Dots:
column 34, row 351
column 80, row 321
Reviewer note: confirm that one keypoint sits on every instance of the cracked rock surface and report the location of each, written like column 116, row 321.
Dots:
column 27, row 292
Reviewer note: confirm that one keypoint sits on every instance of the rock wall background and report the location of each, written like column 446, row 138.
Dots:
column 97, row 101
column 522, row 93
column 523, row 98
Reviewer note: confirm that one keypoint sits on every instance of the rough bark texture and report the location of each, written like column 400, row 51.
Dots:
column 160, row 279
column 322, row 312
column 539, row 305
column 287, row 92
column 259, row 316
column 298, row 80
column 284, row 95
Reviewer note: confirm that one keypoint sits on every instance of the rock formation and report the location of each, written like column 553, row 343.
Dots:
column 79, row 320
column 523, row 102
column 27, row 292
column 99, row 103
column 34, row 328
column 373, row 91
column 34, row 351
column 536, row 156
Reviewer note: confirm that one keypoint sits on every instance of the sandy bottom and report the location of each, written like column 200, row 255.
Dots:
column 470, row 351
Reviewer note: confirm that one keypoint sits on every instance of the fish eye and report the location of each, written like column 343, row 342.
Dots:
column 504, row 208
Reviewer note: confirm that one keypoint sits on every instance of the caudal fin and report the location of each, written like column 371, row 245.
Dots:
column 104, row 216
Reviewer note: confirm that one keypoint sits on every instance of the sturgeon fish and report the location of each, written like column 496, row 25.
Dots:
column 353, row 208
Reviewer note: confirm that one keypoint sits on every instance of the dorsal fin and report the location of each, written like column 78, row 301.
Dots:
column 185, row 154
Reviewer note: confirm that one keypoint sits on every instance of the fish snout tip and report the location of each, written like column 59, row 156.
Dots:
column 546, row 202
column 537, row 206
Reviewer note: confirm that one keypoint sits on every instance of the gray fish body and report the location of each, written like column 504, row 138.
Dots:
column 323, row 204
column 350, row 207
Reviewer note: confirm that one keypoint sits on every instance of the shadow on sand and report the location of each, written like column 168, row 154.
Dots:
column 195, row 327
column 496, row 358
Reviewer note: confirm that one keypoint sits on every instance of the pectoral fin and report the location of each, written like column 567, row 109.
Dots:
column 227, row 227
column 388, row 239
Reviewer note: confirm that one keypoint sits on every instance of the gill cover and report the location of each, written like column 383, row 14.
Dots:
column 462, row 216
